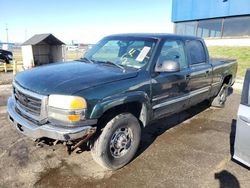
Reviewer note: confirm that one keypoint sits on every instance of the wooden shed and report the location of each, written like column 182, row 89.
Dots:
column 42, row 49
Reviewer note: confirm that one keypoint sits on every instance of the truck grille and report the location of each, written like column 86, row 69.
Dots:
column 28, row 103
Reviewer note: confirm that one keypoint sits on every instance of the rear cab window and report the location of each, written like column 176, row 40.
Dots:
column 196, row 51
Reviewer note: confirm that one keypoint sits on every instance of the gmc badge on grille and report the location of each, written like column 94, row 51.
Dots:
column 23, row 99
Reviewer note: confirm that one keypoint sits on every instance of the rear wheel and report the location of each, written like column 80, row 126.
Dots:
column 118, row 142
column 220, row 99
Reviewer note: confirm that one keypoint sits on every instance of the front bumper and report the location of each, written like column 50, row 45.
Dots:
column 47, row 130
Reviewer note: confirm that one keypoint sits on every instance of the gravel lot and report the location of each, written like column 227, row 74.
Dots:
column 190, row 149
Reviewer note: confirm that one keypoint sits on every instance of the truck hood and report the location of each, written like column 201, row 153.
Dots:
column 70, row 77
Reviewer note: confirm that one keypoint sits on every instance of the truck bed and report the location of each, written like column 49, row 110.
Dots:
column 223, row 67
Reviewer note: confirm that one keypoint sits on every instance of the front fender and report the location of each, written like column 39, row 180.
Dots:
column 116, row 100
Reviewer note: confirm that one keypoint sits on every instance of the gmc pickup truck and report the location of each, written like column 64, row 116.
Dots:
column 121, row 85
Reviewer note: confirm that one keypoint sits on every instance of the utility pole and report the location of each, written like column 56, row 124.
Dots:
column 7, row 34
column 25, row 34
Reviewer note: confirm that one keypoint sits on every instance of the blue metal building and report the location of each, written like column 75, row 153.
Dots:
column 212, row 18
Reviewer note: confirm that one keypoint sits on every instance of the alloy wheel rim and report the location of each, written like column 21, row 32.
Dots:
column 223, row 96
column 120, row 142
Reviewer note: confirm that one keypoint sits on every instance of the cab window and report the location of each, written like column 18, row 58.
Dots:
column 173, row 50
column 196, row 52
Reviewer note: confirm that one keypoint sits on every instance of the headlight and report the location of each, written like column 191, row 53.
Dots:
column 67, row 102
column 66, row 110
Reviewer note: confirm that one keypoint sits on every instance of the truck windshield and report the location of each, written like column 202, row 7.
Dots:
column 128, row 52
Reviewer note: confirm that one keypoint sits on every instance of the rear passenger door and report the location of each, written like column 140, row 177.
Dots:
column 200, row 78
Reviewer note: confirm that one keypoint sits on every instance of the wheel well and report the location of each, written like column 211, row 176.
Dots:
column 131, row 107
column 227, row 79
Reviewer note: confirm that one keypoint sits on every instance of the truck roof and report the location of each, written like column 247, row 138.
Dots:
column 156, row 36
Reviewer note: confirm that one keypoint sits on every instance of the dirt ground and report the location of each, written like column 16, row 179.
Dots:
column 189, row 149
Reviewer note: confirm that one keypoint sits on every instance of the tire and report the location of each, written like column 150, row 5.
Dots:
column 118, row 142
column 220, row 99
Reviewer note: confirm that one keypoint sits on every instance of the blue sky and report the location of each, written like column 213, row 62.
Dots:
column 83, row 21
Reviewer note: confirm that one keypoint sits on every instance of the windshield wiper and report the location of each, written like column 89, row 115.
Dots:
column 103, row 62
column 86, row 60
column 112, row 63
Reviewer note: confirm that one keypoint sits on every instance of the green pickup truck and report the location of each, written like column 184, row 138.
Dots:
column 121, row 84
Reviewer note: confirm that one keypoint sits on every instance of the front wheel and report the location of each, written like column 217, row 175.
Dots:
column 118, row 142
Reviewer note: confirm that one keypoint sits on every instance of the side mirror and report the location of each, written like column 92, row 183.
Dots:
column 167, row 66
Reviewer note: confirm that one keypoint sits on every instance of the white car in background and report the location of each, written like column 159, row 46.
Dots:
column 242, row 137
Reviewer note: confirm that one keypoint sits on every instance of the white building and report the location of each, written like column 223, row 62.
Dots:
column 42, row 49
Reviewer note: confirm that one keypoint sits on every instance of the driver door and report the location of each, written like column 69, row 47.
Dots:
column 169, row 89
column 242, row 136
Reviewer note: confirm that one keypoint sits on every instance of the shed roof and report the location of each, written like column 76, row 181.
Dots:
column 48, row 38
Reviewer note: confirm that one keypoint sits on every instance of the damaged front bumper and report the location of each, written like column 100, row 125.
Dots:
column 48, row 130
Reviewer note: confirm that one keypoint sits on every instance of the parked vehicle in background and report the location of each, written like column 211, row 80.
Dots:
column 242, row 138
column 72, row 48
column 6, row 56
column 123, row 83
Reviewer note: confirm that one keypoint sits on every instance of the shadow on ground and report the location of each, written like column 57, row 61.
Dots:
column 227, row 179
column 232, row 136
